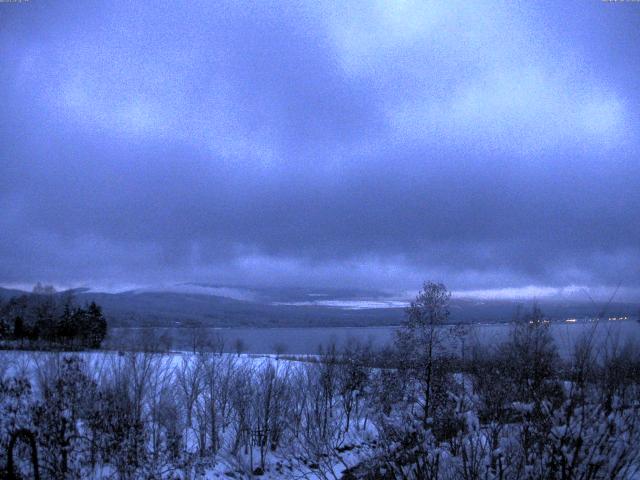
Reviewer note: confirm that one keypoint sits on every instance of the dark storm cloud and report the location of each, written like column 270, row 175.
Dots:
column 375, row 144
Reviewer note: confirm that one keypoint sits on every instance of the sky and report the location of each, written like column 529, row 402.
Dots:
column 492, row 146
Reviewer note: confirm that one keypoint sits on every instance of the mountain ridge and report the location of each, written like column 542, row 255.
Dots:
column 299, row 309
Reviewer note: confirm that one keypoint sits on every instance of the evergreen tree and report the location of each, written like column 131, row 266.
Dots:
column 19, row 330
column 67, row 325
column 96, row 326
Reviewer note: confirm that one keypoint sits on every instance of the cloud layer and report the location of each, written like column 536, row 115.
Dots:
column 487, row 144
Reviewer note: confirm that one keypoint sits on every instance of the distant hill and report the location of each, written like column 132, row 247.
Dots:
column 196, row 305
column 7, row 293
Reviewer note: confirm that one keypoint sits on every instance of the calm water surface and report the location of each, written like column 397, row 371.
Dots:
column 302, row 340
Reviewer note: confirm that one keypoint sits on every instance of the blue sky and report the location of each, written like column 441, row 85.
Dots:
column 490, row 145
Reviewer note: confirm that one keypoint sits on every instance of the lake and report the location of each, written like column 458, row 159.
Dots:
column 301, row 340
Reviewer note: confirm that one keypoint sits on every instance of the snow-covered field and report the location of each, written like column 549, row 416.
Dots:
column 185, row 377
column 183, row 415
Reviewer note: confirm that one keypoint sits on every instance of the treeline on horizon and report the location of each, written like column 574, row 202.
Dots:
column 48, row 319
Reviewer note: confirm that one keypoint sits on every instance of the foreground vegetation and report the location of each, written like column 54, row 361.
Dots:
column 513, row 411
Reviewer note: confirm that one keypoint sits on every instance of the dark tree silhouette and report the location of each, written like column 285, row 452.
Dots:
column 30, row 438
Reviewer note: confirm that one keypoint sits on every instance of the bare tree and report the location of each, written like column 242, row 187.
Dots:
column 239, row 346
column 532, row 357
column 189, row 379
column 215, row 405
column 353, row 376
column 419, row 338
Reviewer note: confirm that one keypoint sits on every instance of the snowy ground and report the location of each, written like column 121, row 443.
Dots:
column 281, row 464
